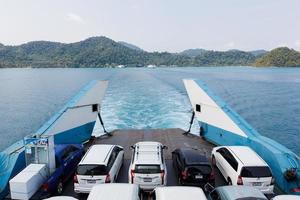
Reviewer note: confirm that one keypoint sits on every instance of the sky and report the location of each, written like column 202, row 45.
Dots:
column 155, row 25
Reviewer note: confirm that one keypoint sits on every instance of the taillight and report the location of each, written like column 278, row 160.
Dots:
column 132, row 175
column 45, row 187
column 184, row 174
column 272, row 181
column 75, row 180
column 239, row 181
column 296, row 190
column 162, row 174
column 107, row 179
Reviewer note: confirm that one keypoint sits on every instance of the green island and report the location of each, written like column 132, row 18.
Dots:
column 104, row 52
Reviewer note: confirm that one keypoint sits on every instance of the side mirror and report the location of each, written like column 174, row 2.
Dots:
column 165, row 147
column 132, row 147
column 208, row 188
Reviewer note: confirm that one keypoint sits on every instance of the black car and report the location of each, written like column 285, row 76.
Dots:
column 192, row 167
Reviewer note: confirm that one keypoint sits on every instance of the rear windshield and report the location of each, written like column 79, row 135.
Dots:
column 256, row 172
column 147, row 169
column 203, row 169
column 92, row 170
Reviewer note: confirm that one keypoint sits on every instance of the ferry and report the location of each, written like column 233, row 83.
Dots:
column 75, row 123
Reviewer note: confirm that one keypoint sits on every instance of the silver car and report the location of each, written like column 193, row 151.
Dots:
column 236, row 192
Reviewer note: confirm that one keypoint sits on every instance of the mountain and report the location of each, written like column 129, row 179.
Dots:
column 131, row 46
column 105, row 52
column 280, row 57
column 259, row 52
column 193, row 52
column 92, row 52
column 225, row 58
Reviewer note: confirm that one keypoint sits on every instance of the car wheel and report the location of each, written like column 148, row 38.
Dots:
column 229, row 182
column 213, row 161
column 60, row 187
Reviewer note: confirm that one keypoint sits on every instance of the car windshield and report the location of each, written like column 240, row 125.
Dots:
column 147, row 169
column 256, row 172
column 204, row 169
column 91, row 170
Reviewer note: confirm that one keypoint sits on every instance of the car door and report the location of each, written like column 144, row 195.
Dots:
column 119, row 157
column 175, row 161
column 180, row 163
column 230, row 166
column 112, row 166
column 68, row 162
column 220, row 160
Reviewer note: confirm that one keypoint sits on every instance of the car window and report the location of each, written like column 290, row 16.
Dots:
column 203, row 169
column 147, row 169
column 69, row 151
column 214, row 195
column 57, row 162
column 91, row 170
column 256, row 172
column 230, row 159
column 112, row 159
column 179, row 161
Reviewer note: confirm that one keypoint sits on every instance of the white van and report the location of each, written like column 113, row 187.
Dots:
column 101, row 164
column 240, row 165
column 148, row 168
column 115, row 191
column 179, row 193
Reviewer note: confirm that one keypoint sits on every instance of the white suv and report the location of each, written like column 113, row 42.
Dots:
column 101, row 164
column 148, row 168
column 240, row 165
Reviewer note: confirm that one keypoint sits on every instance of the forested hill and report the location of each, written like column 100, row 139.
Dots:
column 104, row 52
column 282, row 57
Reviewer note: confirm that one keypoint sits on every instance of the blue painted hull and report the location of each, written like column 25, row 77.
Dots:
column 278, row 157
column 12, row 160
column 76, row 135
column 12, row 163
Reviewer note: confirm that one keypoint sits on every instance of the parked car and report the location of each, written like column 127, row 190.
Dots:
column 100, row 164
column 148, row 168
column 115, row 191
column 286, row 197
column 236, row 192
column 179, row 193
column 240, row 165
column 192, row 167
column 67, row 157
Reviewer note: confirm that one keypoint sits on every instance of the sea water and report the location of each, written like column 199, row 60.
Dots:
column 138, row 98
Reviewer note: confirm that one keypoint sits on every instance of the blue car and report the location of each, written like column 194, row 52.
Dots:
column 67, row 158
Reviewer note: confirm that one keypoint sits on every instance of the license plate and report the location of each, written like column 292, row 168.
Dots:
column 147, row 179
column 91, row 181
column 198, row 176
column 256, row 184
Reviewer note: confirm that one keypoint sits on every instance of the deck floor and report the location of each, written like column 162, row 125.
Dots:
column 172, row 138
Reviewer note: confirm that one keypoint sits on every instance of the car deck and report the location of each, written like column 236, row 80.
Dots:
column 172, row 138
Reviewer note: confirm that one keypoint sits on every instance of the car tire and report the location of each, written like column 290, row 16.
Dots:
column 59, row 187
column 229, row 182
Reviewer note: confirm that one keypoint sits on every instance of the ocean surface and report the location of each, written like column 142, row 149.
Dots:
column 268, row 98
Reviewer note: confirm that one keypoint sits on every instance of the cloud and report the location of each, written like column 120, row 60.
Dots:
column 74, row 18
